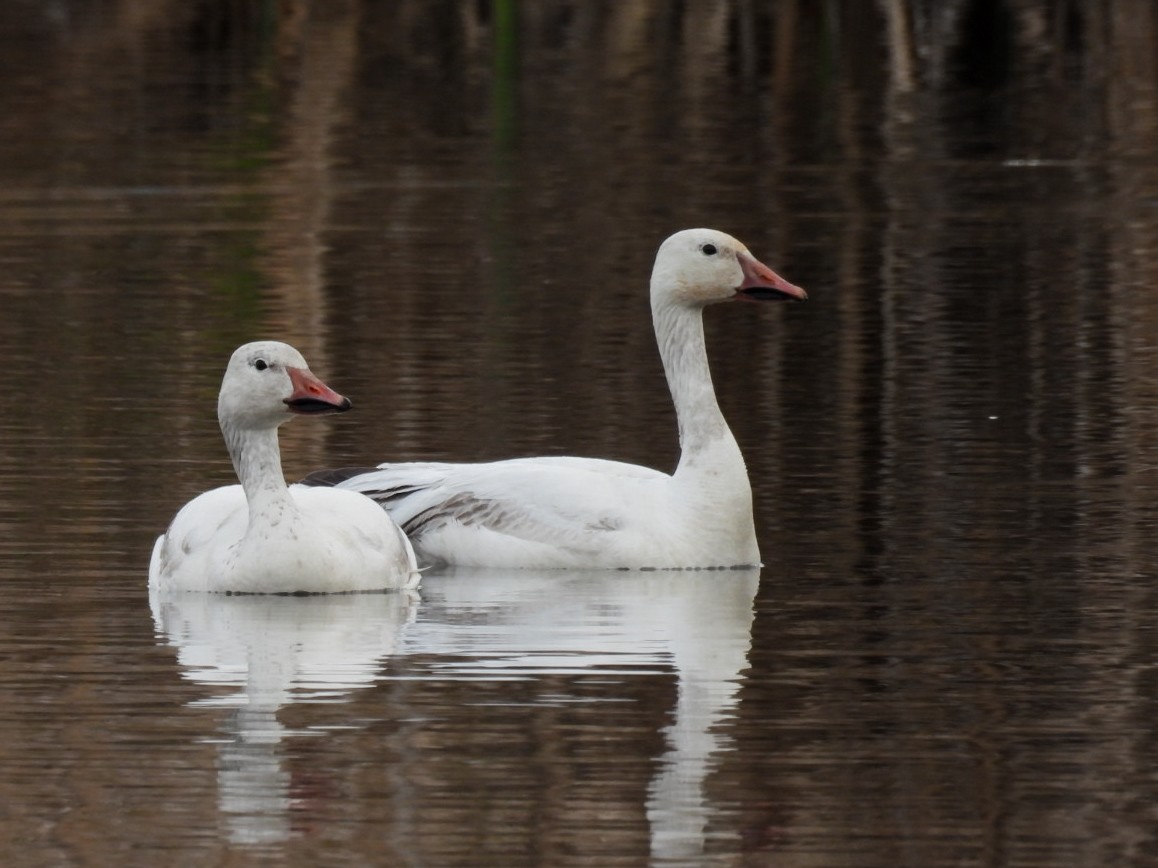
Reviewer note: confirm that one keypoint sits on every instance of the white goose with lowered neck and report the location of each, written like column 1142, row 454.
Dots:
column 589, row 513
column 262, row 536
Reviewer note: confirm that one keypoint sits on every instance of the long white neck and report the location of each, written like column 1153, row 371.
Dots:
column 711, row 475
column 257, row 461
column 679, row 330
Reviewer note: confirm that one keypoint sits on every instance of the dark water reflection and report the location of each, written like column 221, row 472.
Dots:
column 451, row 208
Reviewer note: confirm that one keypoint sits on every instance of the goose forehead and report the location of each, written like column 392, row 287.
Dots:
column 690, row 239
column 271, row 351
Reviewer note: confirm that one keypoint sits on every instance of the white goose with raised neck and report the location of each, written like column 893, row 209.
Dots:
column 591, row 513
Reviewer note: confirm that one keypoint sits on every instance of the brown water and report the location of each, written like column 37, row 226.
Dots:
column 451, row 208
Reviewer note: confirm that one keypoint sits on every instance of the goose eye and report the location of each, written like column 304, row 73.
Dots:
column 261, row 364
column 709, row 249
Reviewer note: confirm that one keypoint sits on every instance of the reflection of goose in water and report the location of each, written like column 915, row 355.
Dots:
column 265, row 652
column 492, row 625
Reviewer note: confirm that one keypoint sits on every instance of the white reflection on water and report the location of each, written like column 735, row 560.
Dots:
column 474, row 626
column 269, row 651
column 493, row 625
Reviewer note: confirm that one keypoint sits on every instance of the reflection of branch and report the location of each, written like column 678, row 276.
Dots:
column 302, row 180
column 301, row 183
column 900, row 43
column 1132, row 87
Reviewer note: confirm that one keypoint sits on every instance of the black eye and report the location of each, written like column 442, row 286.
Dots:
column 261, row 364
column 709, row 249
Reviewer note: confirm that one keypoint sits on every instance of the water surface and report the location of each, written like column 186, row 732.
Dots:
column 451, row 209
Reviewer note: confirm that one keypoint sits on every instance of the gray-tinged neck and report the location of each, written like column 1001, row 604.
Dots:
column 257, row 461
column 679, row 330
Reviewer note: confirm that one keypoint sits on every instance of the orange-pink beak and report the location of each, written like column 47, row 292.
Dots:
column 311, row 396
column 761, row 283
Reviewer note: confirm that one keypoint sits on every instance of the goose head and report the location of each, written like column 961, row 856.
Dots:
column 266, row 382
column 697, row 267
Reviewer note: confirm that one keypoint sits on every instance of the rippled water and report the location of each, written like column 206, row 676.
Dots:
column 452, row 209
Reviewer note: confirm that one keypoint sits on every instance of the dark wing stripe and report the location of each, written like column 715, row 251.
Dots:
column 462, row 508
column 389, row 495
column 420, row 522
column 334, row 476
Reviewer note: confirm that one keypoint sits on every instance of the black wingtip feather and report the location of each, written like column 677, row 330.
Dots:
column 334, row 476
